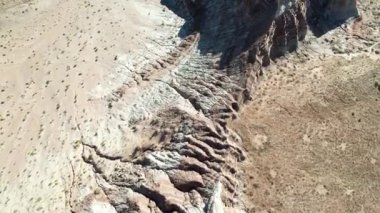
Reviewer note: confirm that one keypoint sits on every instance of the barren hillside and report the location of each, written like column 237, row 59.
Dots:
column 189, row 106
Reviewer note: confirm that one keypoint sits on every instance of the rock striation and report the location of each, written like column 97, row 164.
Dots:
column 192, row 165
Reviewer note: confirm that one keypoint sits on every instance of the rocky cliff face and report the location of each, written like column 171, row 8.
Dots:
column 192, row 161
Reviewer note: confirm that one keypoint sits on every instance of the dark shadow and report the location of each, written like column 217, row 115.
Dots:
column 226, row 27
column 325, row 15
column 189, row 11
column 230, row 27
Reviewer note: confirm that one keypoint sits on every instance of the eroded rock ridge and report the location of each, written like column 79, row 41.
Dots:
column 193, row 163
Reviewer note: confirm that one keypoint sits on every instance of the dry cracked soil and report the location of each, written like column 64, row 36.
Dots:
column 189, row 106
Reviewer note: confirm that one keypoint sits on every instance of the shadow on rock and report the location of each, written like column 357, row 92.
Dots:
column 230, row 28
column 325, row 15
column 226, row 27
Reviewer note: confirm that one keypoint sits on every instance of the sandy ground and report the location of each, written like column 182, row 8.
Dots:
column 313, row 138
column 312, row 131
column 57, row 62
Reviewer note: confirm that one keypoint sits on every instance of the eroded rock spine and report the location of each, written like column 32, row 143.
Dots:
column 194, row 166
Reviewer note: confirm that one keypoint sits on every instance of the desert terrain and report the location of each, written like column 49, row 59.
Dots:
column 59, row 60
column 312, row 130
column 189, row 106
column 313, row 137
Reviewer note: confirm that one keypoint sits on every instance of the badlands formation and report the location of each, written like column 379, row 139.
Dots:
column 189, row 106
